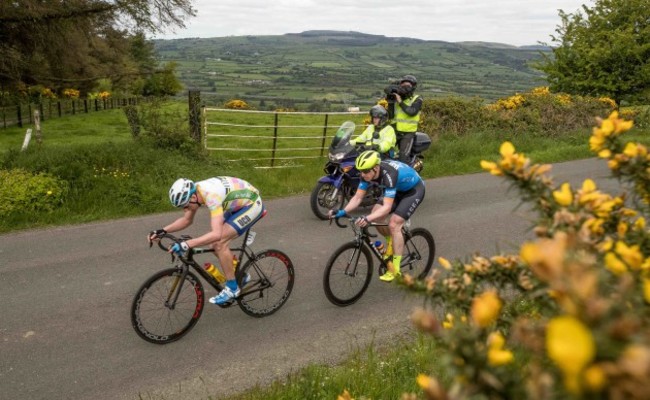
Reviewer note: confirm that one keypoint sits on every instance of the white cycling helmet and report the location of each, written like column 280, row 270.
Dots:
column 181, row 191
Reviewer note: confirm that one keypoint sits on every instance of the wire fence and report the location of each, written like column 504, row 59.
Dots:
column 273, row 139
column 22, row 113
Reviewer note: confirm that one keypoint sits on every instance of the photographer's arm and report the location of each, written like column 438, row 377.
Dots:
column 413, row 109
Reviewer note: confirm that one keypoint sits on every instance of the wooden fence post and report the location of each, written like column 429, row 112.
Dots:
column 19, row 116
column 37, row 123
column 322, row 146
column 194, row 102
column 275, row 139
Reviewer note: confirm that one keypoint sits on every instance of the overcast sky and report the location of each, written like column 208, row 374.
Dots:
column 516, row 22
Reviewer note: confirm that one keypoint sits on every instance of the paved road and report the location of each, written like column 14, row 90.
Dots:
column 66, row 292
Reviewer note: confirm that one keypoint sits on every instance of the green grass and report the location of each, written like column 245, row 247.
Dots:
column 370, row 373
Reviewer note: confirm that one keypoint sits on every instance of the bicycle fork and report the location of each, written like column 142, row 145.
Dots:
column 351, row 268
column 175, row 290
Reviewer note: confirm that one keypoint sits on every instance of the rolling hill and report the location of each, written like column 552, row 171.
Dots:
column 347, row 67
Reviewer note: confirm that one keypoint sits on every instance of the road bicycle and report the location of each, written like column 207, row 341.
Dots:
column 170, row 302
column 349, row 270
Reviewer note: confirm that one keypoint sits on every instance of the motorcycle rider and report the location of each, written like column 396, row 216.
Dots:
column 379, row 135
column 403, row 192
column 407, row 107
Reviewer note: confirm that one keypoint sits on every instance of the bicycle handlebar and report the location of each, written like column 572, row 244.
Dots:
column 170, row 237
column 353, row 220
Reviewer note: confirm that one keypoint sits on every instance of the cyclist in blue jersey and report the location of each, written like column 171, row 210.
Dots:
column 403, row 192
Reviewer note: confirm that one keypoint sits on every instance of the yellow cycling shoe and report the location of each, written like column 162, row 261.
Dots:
column 389, row 276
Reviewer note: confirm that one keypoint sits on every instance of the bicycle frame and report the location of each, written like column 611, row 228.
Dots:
column 187, row 262
column 362, row 235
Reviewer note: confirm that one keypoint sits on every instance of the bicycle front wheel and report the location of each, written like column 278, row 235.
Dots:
column 347, row 274
column 157, row 315
column 270, row 284
column 419, row 253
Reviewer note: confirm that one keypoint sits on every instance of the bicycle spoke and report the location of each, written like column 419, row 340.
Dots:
column 155, row 319
column 271, row 283
column 347, row 274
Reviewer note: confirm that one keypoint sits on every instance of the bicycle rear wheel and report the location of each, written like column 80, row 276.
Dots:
column 152, row 316
column 347, row 274
column 419, row 253
column 271, row 282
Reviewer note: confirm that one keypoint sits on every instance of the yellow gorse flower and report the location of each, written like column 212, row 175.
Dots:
column 491, row 167
column 570, row 345
column 564, row 196
column 630, row 254
column 507, row 149
column 614, row 264
column 497, row 355
column 595, row 378
column 486, row 308
column 444, row 263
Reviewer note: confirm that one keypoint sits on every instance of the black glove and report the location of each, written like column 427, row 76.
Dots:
column 158, row 233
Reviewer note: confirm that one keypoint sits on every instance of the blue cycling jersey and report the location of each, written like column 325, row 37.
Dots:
column 394, row 176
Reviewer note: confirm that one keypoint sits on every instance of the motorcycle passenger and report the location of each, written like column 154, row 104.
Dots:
column 379, row 135
column 403, row 192
column 407, row 108
column 234, row 204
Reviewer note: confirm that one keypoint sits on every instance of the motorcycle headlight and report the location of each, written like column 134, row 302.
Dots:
column 336, row 157
column 330, row 168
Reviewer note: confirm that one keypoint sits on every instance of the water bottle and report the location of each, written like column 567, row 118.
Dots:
column 235, row 263
column 214, row 271
column 379, row 245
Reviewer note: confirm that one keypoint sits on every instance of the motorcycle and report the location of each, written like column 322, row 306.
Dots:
column 421, row 142
column 341, row 178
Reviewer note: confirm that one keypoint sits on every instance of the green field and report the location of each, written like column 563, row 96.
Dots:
column 305, row 67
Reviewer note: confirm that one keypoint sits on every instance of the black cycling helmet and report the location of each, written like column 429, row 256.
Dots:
column 379, row 111
column 410, row 79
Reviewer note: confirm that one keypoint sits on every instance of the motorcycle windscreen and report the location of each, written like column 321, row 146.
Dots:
column 343, row 135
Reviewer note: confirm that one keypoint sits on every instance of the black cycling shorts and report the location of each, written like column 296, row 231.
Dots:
column 406, row 203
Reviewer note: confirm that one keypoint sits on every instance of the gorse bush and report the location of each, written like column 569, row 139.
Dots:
column 236, row 104
column 568, row 316
column 537, row 111
column 23, row 192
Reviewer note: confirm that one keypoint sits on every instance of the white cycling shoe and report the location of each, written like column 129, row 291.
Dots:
column 225, row 296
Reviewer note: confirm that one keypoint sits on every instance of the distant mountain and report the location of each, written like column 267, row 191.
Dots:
column 351, row 67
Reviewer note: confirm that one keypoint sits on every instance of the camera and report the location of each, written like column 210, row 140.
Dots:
column 391, row 90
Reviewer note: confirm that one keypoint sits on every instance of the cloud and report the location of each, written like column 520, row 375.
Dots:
column 514, row 22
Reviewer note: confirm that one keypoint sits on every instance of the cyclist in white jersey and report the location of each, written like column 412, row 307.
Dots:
column 234, row 204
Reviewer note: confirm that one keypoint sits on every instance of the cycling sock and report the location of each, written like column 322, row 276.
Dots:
column 389, row 246
column 396, row 263
column 232, row 284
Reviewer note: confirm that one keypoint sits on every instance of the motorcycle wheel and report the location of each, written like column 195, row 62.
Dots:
column 321, row 199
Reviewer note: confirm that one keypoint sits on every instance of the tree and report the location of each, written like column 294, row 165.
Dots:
column 603, row 52
column 163, row 83
column 75, row 42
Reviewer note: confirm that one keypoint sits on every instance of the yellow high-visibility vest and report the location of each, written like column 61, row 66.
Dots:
column 403, row 121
